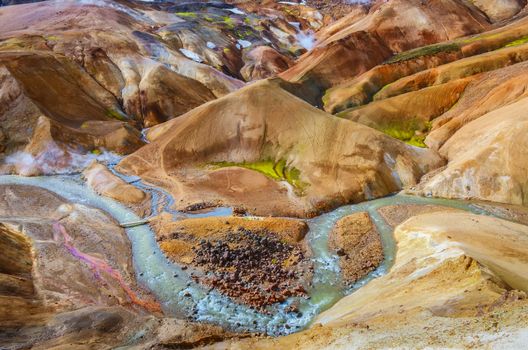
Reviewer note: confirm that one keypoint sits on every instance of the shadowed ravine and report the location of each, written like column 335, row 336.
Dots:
column 180, row 296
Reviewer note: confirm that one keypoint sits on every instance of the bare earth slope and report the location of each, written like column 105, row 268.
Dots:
column 221, row 152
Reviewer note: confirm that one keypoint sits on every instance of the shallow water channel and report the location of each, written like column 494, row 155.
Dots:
column 180, row 296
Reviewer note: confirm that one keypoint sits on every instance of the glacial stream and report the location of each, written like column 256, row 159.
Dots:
column 180, row 296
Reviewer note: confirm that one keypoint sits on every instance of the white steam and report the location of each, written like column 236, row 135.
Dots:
column 306, row 39
column 55, row 160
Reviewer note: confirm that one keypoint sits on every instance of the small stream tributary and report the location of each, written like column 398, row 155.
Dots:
column 180, row 296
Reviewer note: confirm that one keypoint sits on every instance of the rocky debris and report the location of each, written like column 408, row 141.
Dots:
column 256, row 261
column 196, row 207
column 205, row 207
column 357, row 242
column 255, row 268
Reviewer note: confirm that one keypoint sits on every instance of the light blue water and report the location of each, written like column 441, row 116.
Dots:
column 171, row 284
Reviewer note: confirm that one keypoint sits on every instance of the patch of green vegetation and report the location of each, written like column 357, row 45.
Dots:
column 384, row 87
column 517, row 42
column 187, row 14
column 114, row 114
column 242, row 34
column 424, row 51
column 51, row 38
column 479, row 37
column 278, row 171
column 413, row 132
column 326, row 98
column 228, row 21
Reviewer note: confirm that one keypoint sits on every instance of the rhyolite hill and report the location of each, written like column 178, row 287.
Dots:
column 264, row 157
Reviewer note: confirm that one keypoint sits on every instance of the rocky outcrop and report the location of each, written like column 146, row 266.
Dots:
column 18, row 301
column 293, row 158
column 357, row 242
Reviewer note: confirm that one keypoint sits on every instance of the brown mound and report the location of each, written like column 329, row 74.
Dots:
column 104, row 182
column 357, row 242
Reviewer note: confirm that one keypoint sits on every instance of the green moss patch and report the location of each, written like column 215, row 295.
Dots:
column 413, row 132
column 112, row 113
column 517, row 42
column 424, row 51
column 278, row 171
column 187, row 14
